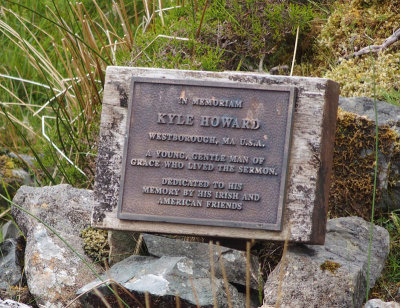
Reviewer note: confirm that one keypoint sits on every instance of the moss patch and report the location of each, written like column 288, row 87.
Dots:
column 6, row 167
column 95, row 243
column 353, row 164
column 9, row 183
column 356, row 76
column 330, row 266
column 357, row 24
column 351, row 26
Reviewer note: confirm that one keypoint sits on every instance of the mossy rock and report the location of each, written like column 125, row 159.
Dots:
column 354, row 164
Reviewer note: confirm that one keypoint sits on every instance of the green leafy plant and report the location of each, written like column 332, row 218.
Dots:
column 256, row 33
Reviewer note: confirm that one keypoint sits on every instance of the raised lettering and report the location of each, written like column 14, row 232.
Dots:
column 226, row 168
column 204, row 194
column 251, row 197
column 180, row 202
column 160, row 190
column 257, row 170
column 185, row 182
column 217, row 103
column 161, row 118
column 139, row 162
column 235, row 186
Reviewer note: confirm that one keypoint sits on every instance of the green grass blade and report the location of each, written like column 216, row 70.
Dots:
column 58, row 25
column 371, row 229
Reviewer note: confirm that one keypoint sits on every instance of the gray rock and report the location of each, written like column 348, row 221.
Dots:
column 8, row 303
column 9, row 230
column 377, row 303
column 20, row 176
column 53, row 271
column 330, row 275
column 10, row 267
column 122, row 245
column 389, row 165
column 163, row 278
column 23, row 176
column 233, row 260
column 27, row 159
column 388, row 114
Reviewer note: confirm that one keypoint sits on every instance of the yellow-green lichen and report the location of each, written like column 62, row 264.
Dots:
column 330, row 266
column 6, row 167
column 10, row 182
column 356, row 24
column 95, row 243
column 351, row 26
column 358, row 76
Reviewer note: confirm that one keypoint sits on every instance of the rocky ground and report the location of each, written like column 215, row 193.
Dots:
column 50, row 257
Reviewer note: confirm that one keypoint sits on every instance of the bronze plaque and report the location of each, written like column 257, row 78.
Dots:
column 206, row 153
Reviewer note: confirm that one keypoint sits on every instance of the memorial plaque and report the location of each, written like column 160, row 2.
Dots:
column 240, row 155
column 206, row 153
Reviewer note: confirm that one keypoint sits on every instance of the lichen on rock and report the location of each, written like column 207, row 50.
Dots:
column 95, row 243
column 330, row 266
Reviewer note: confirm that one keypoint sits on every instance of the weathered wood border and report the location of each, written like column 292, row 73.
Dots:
column 304, row 218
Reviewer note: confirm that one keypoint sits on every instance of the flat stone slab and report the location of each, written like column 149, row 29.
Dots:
column 332, row 275
column 388, row 114
column 234, row 261
column 8, row 303
column 163, row 279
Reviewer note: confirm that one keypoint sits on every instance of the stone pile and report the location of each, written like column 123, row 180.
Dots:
column 330, row 275
column 177, row 268
column 54, row 274
column 53, row 271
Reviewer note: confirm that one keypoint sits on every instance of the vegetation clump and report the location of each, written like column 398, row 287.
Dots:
column 330, row 266
column 356, row 24
column 95, row 243
column 254, row 33
column 9, row 182
column 6, row 167
column 232, row 35
column 358, row 76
